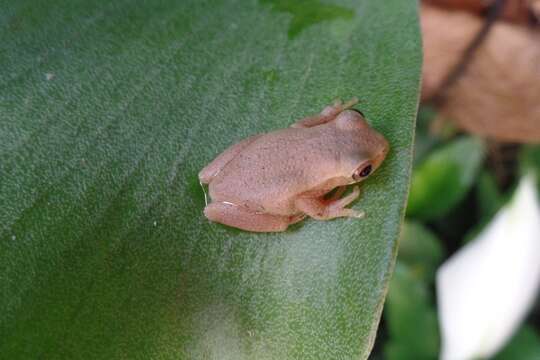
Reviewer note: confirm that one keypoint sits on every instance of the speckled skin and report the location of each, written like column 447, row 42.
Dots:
column 269, row 181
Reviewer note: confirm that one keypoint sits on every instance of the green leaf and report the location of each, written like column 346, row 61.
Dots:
column 424, row 139
column 444, row 178
column 525, row 345
column 411, row 318
column 108, row 111
column 420, row 250
column 529, row 160
column 489, row 198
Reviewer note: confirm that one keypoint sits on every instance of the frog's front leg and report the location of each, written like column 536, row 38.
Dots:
column 323, row 209
column 328, row 114
column 211, row 170
column 246, row 219
column 338, row 193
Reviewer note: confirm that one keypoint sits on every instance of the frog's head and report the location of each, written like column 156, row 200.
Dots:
column 366, row 148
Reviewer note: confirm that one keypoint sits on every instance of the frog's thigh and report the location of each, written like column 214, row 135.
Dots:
column 211, row 170
column 242, row 218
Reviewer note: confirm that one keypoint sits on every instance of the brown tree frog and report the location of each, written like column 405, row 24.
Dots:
column 268, row 181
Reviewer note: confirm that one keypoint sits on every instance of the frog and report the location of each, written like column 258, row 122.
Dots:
column 269, row 181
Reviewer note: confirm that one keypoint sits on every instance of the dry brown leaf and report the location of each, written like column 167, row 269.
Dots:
column 514, row 10
column 498, row 96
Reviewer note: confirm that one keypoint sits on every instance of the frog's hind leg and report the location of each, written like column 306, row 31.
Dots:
column 245, row 219
column 211, row 170
column 326, row 209
column 328, row 114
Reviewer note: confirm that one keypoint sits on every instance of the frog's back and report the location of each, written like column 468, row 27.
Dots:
column 267, row 174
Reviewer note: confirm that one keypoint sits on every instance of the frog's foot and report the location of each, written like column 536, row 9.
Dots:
column 245, row 219
column 328, row 114
column 337, row 193
column 338, row 206
column 338, row 106
column 322, row 209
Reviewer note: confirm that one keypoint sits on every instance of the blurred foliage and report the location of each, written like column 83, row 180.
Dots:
column 525, row 345
column 454, row 194
column 530, row 160
column 445, row 177
column 431, row 131
column 424, row 139
column 420, row 250
column 489, row 200
column 409, row 311
column 411, row 317
column 488, row 196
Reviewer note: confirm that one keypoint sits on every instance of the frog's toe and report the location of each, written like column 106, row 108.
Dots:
column 359, row 214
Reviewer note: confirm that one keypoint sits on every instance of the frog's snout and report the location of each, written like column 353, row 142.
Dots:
column 379, row 158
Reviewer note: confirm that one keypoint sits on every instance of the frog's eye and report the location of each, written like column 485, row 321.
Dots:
column 362, row 172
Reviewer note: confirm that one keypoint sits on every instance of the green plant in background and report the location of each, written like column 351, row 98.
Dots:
column 525, row 345
column 420, row 249
column 446, row 172
column 110, row 109
column 409, row 312
column 444, row 178
column 530, row 160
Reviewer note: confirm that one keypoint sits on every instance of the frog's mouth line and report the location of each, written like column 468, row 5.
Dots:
column 380, row 158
